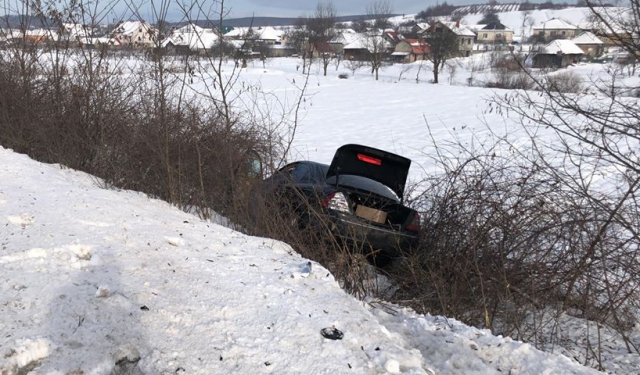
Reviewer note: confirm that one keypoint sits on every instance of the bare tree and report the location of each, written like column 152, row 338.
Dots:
column 321, row 29
column 443, row 44
column 378, row 14
column 298, row 38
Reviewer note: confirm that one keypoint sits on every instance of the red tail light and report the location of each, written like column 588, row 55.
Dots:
column 414, row 226
column 369, row 159
column 336, row 201
column 327, row 199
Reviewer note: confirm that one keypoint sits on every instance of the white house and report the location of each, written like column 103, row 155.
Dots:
column 134, row 33
column 192, row 36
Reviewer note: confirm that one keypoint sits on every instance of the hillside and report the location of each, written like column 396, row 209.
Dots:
column 101, row 282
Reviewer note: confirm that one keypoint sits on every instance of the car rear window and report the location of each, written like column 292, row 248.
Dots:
column 363, row 183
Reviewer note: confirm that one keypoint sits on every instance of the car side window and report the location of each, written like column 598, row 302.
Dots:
column 302, row 173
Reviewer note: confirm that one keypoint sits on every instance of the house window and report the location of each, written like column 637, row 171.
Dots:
column 563, row 32
column 553, row 33
column 485, row 36
column 468, row 41
column 438, row 30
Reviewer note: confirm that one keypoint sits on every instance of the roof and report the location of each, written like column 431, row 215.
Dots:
column 555, row 24
column 418, row 46
column 75, row 29
column 345, row 37
column 189, row 28
column 368, row 42
column 130, row 27
column 263, row 33
column 496, row 26
column 587, row 38
column 193, row 36
column 562, row 46
column 457, row 28
column 393, row 35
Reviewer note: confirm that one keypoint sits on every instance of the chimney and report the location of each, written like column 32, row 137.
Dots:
column 458, row 24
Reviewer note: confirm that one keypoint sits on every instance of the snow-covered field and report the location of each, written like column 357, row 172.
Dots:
column 97, row 281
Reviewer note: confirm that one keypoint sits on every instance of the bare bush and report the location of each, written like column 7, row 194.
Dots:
column 508, row 234
column 508, row 73
column 567, row 82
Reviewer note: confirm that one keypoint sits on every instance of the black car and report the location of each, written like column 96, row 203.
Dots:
column 359, row 198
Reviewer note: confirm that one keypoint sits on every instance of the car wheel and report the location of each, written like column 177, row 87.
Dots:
column 300, row 220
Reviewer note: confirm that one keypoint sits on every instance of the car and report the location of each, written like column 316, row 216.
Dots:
column 358, row 197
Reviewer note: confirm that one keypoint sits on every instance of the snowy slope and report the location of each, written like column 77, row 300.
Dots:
column 98, row 281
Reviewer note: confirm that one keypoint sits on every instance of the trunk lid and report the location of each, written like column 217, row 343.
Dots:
column 384, row 167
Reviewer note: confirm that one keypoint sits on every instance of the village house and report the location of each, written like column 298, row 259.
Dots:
column 393, row 37
column 341, row 39
column 259, row 41
column 410, row 50
column 75, row 33
column 554, row 29
column 134, row 34
column 464, row 35
column 366, row 44
column 258, row 35
column 191, row 37
column 559, row 53
column 495, row 33
column 590, row 44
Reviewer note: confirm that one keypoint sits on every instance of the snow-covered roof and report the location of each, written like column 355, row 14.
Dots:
column 193, row 36
column 75, row 29
column 475, row 28
column 130, row 27
column 189, row 28
column 263, row 33
column 458, row 29
column 587, row 37
column 564, row 46
column 346, row 37
column 355, row 43
column 368, row 42
column 555, row 24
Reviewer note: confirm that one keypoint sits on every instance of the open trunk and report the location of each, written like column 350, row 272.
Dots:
column 378, row 210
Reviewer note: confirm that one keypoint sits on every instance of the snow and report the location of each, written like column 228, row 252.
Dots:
column 587, row 37
column 563, row 46
column 101, row 281
column 555, row 24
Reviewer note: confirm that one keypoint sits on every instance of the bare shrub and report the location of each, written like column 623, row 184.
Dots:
column 508, row 236
column 567, row 82
column 290, row 217
column 354, row 65
column 508, row 73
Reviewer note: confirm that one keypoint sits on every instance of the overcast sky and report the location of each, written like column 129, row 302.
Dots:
column 295, row 8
